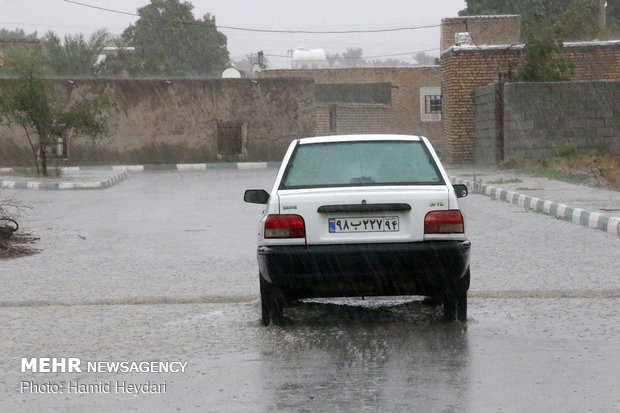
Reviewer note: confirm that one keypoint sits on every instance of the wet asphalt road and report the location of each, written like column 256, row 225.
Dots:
column 162, row 267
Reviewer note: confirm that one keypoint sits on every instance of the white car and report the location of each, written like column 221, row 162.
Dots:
column 362, row 215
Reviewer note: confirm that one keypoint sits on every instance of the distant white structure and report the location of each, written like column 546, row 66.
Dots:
column 113, row 51
column 309, row 58
column 231, row 73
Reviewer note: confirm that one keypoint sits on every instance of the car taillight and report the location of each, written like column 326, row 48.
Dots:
column 444, row 222
column 285, row 226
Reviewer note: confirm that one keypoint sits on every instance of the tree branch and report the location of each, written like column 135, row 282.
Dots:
column 34, row 151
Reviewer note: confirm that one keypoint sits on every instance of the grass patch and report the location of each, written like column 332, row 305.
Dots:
column 568, row 164
column 562, row 175
column 506, row 181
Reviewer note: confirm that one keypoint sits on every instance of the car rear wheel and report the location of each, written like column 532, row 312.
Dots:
column 449, row 309
column 455, row 303
column 455, row 307
column 272, row 303
column 461, row 307
column 264, row 305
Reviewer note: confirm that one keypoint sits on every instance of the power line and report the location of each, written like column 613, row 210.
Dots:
column 101, row 8
column 247, row 29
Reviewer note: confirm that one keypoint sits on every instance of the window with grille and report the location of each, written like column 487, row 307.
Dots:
column 432, row 104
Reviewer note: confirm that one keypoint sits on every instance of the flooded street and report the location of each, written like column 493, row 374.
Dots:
column 162, row 267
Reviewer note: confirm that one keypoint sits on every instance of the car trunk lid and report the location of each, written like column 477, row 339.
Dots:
column 357, row 215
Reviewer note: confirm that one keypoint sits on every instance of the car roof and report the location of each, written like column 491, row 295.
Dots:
column 361, row 137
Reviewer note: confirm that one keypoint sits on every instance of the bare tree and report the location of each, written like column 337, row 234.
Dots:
column 423, row 59
column 389, row 63
column 13, row 245
column 353, row 57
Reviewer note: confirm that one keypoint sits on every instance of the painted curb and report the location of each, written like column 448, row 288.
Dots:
column 175, row 167
column 60, row 186
column 122, row 174
column 565, row 212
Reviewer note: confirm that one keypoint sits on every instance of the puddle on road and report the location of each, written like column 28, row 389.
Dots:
column 210, row 299
column 372, row 302
column 546, row 294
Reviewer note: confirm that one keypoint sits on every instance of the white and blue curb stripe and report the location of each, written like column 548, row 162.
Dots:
column 105, row 183
column 122, row 174
column 579, row 216
column 175, row 167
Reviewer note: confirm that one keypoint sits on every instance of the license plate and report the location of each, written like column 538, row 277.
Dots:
column 363, row 224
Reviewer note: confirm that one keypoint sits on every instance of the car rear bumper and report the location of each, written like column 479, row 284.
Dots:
column 347, row 270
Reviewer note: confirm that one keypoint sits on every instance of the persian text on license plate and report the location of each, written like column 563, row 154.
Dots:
column 363, row 224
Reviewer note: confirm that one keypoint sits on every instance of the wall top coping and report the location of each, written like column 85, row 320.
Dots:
column 481, row 17
column 593, row 43
column 483, row 47
column 327, row 69
column 570, row 83
column 76, row 81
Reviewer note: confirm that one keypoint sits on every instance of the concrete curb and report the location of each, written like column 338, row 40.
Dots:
column 565, row 212
column 59, row 186
column 575, row 215
column 122, row 174
column 175, row 167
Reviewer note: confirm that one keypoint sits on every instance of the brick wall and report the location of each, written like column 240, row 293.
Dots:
column 485, row 30
column 464, row 69
column 323, row 120
column 541, row 117
column 594, row 60
column 352, row 118
column 157, row 122
column 406, row 84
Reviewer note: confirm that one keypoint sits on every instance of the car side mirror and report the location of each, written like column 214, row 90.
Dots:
column 460, row 190
column 256, row 196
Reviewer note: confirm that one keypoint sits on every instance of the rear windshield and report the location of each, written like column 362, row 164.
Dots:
column 360, row 164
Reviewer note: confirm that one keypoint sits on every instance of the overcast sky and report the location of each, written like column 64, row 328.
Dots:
column 314, row 15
